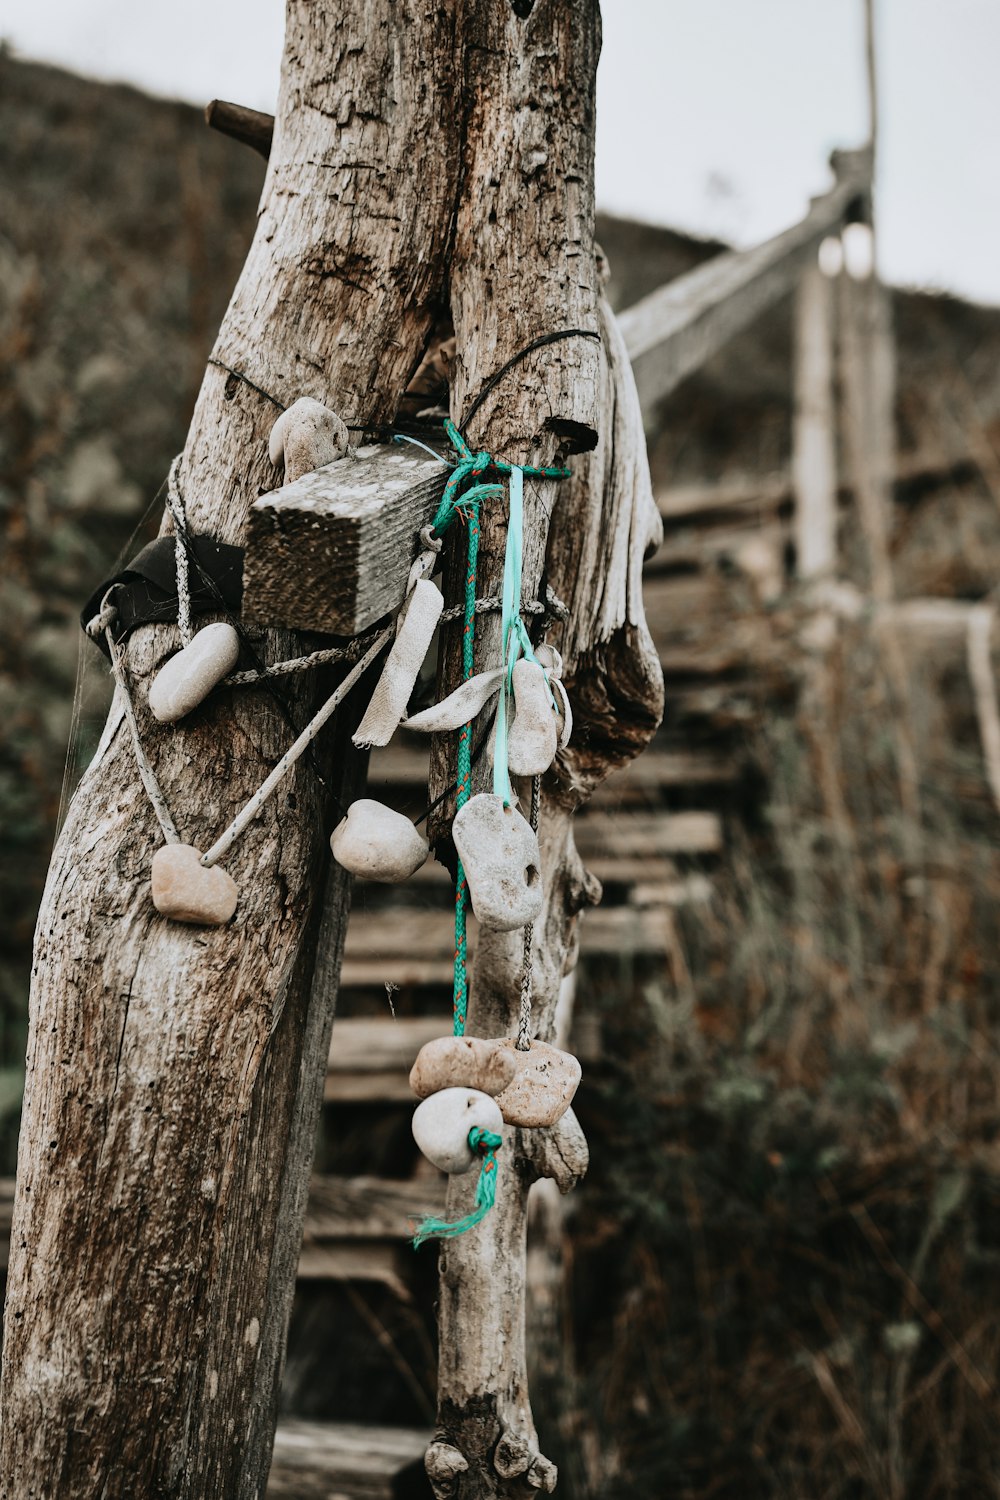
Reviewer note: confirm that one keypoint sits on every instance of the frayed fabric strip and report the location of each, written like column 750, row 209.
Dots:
column 460, row 706
column 402, row 667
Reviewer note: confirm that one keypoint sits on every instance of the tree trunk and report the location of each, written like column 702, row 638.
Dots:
column 174, row 1073
column 525, row 239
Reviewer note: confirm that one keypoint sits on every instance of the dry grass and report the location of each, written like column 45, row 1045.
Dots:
column 786, row 1268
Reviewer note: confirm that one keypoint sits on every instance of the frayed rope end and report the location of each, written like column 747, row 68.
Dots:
column 487, row 1144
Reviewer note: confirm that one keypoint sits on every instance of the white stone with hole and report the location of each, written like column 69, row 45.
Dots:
column 187, row 678
column 543, row 1086
column 534, row 735
column 441, row 1126
column 378, row 843
column 500, row 857
column 469, row 1062
column 186, row 891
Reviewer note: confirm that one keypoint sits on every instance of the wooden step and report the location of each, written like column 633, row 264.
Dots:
column 371, row 1056
column 356, row 1228
column 327, row 1460
column 403, row 767
column 406, row 947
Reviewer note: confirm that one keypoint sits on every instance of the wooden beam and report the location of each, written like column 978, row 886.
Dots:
column 672, row 332
column 814, row 426
column 332, row 551
column 316, row 1460
column 251, row 126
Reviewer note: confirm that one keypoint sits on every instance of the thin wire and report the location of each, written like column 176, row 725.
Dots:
column 247, row 381
column 515, row 359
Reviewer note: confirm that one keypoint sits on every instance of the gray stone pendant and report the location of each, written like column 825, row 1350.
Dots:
column 499, row 853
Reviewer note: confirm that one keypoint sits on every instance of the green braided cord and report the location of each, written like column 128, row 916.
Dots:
column 454, row 502
column 487, row 1144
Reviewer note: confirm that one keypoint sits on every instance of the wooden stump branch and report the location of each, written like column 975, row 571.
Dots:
column 168, row 1125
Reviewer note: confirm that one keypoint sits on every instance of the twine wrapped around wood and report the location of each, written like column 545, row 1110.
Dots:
column 402, row 667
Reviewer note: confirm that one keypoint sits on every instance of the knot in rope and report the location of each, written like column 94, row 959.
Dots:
column 484, row 1141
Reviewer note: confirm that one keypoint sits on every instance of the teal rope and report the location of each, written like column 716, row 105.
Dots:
column 457, row 501
column 486, row 1144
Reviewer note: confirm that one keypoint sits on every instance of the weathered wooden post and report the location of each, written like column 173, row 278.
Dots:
column 814, row 456
column 174, row 1073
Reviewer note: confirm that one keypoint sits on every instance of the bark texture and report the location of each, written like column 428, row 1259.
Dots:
column 174, row 1073
column 587, row 536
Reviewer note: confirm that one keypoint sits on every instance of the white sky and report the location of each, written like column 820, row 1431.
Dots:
column 715, row 116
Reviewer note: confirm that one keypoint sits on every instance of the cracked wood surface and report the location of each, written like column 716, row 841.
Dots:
column 174, row 1073
column 586, row 535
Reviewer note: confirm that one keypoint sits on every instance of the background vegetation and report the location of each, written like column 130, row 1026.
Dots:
column 784, row 1264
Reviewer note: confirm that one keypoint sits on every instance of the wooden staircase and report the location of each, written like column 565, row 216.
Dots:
column 652, row 835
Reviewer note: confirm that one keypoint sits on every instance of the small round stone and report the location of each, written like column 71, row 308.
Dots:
column 442, row 1123
column 186, row 891
column 378, row 843
column 468, row 1062
column 187, row 678
column 543, row 1086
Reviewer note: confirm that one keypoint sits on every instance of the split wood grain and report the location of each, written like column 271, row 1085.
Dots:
column 174, row 1075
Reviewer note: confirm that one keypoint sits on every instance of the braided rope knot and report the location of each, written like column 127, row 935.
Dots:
column 484, row 1141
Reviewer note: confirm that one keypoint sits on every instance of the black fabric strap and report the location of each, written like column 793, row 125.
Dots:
column 147, row 586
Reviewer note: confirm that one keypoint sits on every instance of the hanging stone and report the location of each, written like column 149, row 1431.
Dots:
column 187, row 891
column 378, row 843
column 534, row 735
column 306, row 437
column 187, row 678
column 467, row 1062
column 442, row 1123
column 402, row 666
column 461, row 706
column 500, row 857
column 543, row 1087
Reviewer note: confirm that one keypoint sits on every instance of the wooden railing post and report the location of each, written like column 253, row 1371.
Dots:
column 814, row 449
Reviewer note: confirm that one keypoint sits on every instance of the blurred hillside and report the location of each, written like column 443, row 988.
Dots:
column 800, row 1120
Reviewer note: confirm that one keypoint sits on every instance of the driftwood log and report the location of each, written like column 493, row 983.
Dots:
column 174, row 1073
column 529, row 233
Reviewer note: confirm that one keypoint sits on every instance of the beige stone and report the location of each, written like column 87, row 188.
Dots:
column 187, row 678
column 502, row 863
column 378, row 843
column 543, row 1086
column 186, row 891
column 534, row 735
column 468, row 1062
column 441, row 1126
column 306, row 437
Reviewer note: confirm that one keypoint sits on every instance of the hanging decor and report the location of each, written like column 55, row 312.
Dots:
column 470, row 1088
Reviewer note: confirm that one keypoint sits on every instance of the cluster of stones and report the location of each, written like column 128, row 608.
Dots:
column 498, row 848
column 466, row 1082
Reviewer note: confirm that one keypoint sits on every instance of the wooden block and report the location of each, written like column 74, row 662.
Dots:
column 353, row 1462
column 332, row 551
